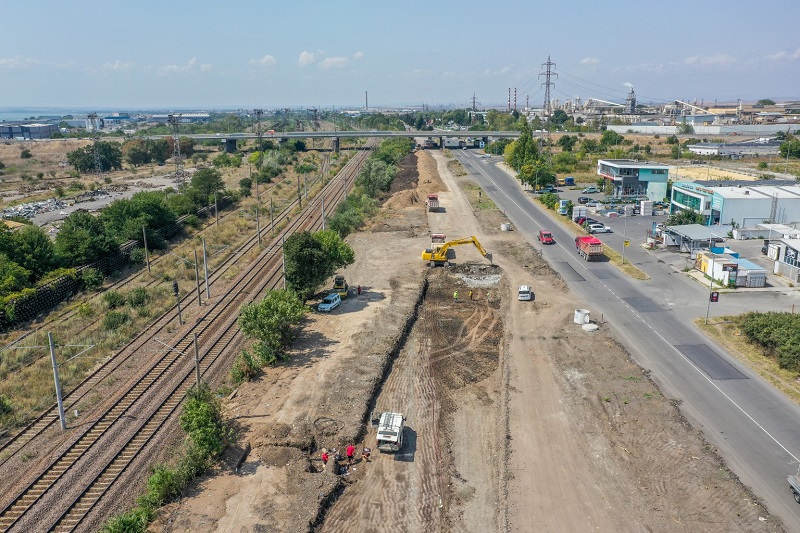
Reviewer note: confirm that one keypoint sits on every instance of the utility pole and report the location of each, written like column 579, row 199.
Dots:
column 257, row 114
column 205, row 267
column 547, row 84
column 197, row 277
column 59, row 400
column 146, row 253
column 98, row 167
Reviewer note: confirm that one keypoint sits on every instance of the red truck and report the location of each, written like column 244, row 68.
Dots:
column 433, row 202
column 589, row 247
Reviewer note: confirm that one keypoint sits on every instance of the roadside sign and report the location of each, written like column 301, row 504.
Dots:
column 481, row 144
column 627, row 243
column 714, row 296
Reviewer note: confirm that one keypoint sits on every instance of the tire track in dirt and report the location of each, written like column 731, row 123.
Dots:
column 399, row 492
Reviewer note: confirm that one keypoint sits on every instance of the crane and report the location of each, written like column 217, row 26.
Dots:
column 694, row 107
column 438, row 256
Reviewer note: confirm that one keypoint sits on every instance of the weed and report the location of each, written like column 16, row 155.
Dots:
column 114, row 320
column 114, row 299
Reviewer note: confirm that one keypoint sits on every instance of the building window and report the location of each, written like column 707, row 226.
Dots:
column 685, row 199
column 790, row 258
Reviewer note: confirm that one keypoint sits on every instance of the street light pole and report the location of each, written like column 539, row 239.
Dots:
column 710, row 289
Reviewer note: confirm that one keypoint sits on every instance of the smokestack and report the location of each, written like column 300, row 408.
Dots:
column 509, row 99
column 366, row 101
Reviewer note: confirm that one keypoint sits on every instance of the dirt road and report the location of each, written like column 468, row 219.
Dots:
column 517, row 420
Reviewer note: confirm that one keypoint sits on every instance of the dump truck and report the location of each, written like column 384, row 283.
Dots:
column 589, row 247
column 340, row 286
column 433, row 202
column 439, row 256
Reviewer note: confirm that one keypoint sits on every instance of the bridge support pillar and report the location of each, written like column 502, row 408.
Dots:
column 230, row 145
column 441, row 143
column 485, row 141
column 336, row 145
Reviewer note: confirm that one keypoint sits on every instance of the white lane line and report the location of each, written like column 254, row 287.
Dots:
column 660, row 336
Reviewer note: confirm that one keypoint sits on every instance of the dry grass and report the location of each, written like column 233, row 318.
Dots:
column 725, row 331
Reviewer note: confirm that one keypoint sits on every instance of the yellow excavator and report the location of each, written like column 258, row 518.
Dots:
column 438, row 256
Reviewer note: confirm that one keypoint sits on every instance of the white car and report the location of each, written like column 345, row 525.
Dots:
column 590, row 190
column 524, row 293
column 329, row 303
column 599, row 228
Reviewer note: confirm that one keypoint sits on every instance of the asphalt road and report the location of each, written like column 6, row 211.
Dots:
column 755, row 428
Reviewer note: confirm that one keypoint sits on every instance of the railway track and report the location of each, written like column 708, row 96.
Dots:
column 49, row 418
column 247, row 245
column 155, row 396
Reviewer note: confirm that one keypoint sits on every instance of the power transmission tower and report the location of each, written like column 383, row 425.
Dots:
column 176, row 151
column 474, row 103
column 98, row 167
column 547, row 84
column 257, row 114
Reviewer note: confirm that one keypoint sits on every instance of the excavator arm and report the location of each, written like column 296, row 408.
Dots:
column 440, row 255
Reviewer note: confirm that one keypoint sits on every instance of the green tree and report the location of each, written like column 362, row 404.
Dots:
column 567, row 142
column 610, row 138
column 313, row 258
column 135, row 152
column 537, row 174
column 791, row 146
column 13, row 278
column 590, row 146
column 376, row 176
column 686, row 128
column 34, row 251
column 205, row 182
column 245, row 187
column 523, row 151
column 686, row 216
column 766, row 101
column 125, row 218
column 109, row 154
column 83, row 239
column 676, row 151
column 272, row 323
column 158, row 150
column 559, row 117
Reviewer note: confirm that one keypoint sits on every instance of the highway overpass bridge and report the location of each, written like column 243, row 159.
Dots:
column 230, row 139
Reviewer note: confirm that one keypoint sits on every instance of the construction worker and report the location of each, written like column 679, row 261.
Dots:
column 324, row 457
column 359, row 290
column 351, row 451
column 470, row 296
column 365, row 454
column 455, row 296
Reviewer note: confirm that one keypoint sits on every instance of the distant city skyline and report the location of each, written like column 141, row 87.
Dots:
column 194, row 55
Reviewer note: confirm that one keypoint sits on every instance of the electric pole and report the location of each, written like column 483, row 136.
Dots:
column 257, row 114
column 176, row 150
column 547, row 84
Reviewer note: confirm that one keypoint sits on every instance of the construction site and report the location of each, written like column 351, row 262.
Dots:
column 513, row 419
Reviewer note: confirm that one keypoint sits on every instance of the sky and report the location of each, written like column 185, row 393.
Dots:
column 197, row 54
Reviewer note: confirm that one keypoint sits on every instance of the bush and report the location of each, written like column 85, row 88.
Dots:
column 138, row 297
column 115, row 320
column 244, row 368
column 777, row 334
column 114, row 299
column 5, row 405
column 92, row 278
column 136, row 256
column 85, row 310
column 132, row 521
column 26, row 154
column 192, row 221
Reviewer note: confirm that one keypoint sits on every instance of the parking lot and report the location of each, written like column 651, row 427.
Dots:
column 634, row 228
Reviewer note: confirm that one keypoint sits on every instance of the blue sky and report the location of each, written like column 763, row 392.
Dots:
column 182, row 54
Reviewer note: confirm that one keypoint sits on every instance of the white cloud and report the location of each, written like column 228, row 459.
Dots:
column 334, row 62
column 117, row 66
column 306, row 58
column 18, row 62
column 628, row 84
column 191, row 66
column 266, row 61
column 488, row 72
column 591, row 61
column 720, row 60
column 358, row 55
column 644, row 67
column 785, row 56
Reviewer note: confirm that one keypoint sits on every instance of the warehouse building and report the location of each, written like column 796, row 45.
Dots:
column 27, row 131
column 635, row 178
column 737, row 203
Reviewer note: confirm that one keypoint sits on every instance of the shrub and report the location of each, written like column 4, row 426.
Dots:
column 134, row 520
column 114, row 299
column 192, row 221
column 85, row 310
column 114, row 320
column 244, row 368
column 138, row 297
column 92, row 278
column 26, row 154
column 5, row 405
column 136, row 256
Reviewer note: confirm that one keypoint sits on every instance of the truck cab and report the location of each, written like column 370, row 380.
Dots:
column 390, row 432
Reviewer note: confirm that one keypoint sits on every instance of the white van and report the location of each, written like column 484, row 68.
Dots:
column 524, row 293
column 390, row 432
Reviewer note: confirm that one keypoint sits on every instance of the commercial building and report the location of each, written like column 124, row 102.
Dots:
column 737, row 150
column 27, row 131
column 635, row 178
column 737, row 203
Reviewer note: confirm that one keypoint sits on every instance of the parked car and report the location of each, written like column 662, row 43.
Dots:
column 545, row 236
column 764, row 249
column 591, row 190
column 580, row 221
column 330, row 302
column 599, row 228
column 592, row 204
column 525, row 293
column 584, row 199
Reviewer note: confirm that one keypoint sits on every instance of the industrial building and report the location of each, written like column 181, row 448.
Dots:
column 736, row 150
column 182, row 117
column 27, row 131
column 635, row 178
column 739, row 204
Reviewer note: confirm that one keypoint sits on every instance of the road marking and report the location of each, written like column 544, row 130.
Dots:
column 658, row 334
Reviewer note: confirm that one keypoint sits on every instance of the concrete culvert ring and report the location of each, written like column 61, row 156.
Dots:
column 589, row 327
column 326, row 425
